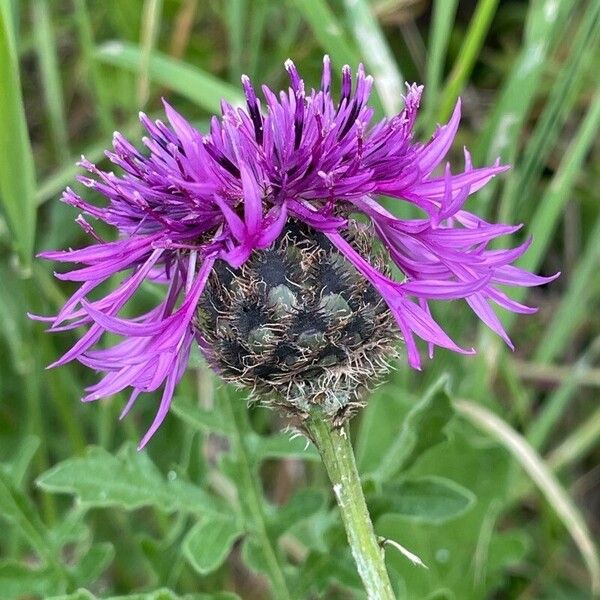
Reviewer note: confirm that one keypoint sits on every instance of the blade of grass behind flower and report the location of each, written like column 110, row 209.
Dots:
column 546, row 20
column 236, row 13
column 377, row 54
column 557, row 403
column 549, row 209
column 17, row 192
column 574, row 303
column 476, row 33
column 45, row 44
column 577, row 444
column 55, row 183
column 444, row 12
column 328, row 31
column 192, row 83
column 98, row 90
column 15, row 12
column 151, row 18
column 260, row 10
column 583, row 46
column 542, row 476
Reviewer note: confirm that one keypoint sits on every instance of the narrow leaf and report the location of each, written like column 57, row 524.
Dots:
column 191, row 82
column 378, row 55
column 328, row 31
column 17, row 177
column 19, row 510
column 543, row 477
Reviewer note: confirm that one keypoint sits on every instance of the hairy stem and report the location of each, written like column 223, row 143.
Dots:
column 336, row 451
column 252, row 500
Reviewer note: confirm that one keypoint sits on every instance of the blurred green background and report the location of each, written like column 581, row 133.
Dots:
column 493, row 478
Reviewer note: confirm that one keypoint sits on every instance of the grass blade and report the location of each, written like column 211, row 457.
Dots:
column 48, row 62
column 377, row 54
column 542, row 476
column 478, row 28
column 17, row 192
column 55, row 183
column 582, row 440
column 235, row 13
column 557, row 403
column 327, row 30
column 545, row 21
column 550, row 207
column 444, row 12
column 192, row 83
column 150, row 30
column 575, row 302
column 550, row 123
column 86, row 41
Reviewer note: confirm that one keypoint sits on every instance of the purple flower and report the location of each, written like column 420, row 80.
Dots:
column 191, row 199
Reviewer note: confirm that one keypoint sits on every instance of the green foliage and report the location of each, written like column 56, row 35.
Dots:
column 129, row 480
column 226, row 500
column 209, row 542
column 16, row 192
column 423, row 427
column 423, row 499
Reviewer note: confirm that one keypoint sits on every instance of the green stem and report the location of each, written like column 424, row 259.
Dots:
column 251, row 497
column 336, row 451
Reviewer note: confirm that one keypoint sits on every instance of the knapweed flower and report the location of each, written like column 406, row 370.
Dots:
column 236, row 223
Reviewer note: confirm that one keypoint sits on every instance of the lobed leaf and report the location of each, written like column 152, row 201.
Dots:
column 19, row 580
column 423, row 427
column 429, row 499
column 209, row 542
column 129, row 480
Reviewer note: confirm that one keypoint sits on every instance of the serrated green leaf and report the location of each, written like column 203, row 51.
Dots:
column 476, row 465
column 424, row 499
column 21, row 581
column 209, row 542
column 129, row 480
column 423, row 428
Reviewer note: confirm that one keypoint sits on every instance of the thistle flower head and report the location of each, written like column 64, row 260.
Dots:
column 208, row 215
